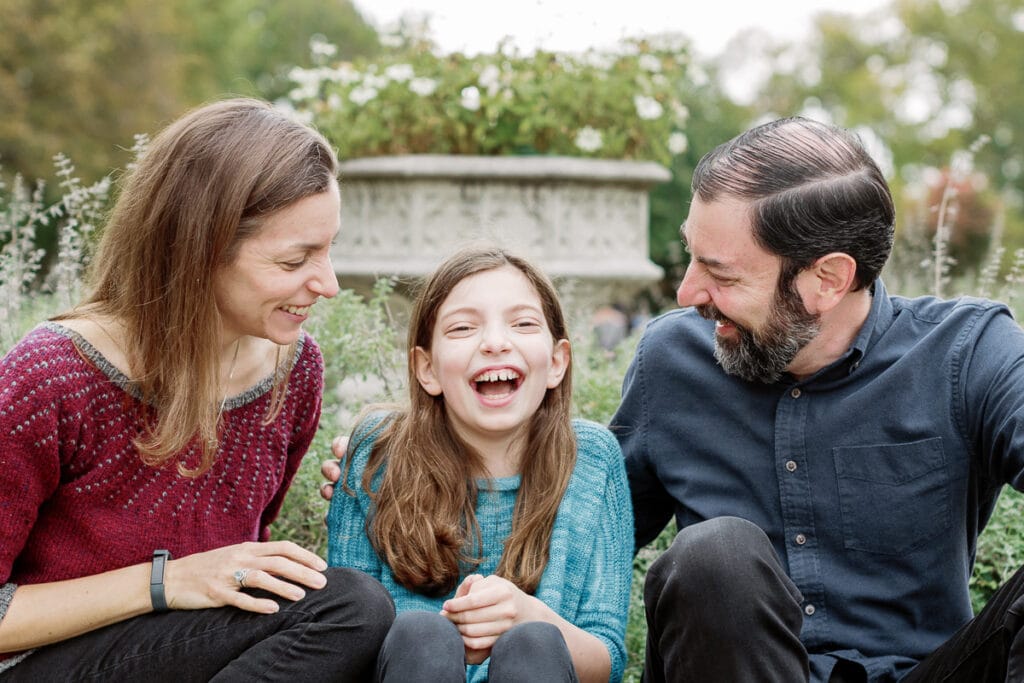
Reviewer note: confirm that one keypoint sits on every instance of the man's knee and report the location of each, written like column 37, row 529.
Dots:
column 722, row 557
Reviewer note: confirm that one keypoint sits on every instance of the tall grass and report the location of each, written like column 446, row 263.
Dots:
column 365, row 361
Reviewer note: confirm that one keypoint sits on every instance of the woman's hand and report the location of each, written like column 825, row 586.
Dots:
column 331, row 469
column 484, row 608
column 208, row 579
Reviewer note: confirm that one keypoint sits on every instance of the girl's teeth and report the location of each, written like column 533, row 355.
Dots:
column 497, row 376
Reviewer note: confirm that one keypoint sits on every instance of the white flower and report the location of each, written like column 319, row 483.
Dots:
column 677, row 143
column 399, row 72
column 345, row 74
column 647, row 108
column 650, row 63
column 490, row 78
column 424, row 87
column 471, row 98
column 589, row 139
column 319, row 47
column 362, row 94
column 334, row 101
column 680, row 112
column 376, row 82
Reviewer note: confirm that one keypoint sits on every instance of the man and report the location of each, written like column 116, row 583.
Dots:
column 830, row 452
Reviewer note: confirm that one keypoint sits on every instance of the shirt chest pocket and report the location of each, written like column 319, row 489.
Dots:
column 894, row 497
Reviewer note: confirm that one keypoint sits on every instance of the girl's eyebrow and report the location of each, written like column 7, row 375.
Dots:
column 472, row 310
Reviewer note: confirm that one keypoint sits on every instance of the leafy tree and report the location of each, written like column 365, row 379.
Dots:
column 935, row 81
column 84, row 76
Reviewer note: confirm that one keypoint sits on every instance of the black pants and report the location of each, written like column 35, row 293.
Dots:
column 425, row 646
column 332, row 634
column 721, row 608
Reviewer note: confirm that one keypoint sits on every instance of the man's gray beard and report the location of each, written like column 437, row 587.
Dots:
column 765, row 355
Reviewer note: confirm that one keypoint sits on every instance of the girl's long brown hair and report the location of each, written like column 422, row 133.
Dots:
column 424, row 526
column 204, row 185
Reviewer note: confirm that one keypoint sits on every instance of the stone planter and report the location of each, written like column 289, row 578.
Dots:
column 583, row 220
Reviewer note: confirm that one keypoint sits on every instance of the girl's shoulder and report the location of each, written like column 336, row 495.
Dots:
column 596, row 444
column 362, row 438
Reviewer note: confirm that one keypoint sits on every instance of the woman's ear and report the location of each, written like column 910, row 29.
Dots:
column 424, row 367
column 561, row 356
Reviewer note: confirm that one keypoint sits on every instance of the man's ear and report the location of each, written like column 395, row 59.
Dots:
column 827, row 281
column 561, row 356
column 424, row 367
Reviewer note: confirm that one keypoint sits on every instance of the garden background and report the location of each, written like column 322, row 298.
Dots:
column 933, row 86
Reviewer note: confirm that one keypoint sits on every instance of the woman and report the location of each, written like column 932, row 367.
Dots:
column 150, row 434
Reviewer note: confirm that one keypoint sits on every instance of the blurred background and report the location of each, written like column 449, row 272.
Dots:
column 933, row 86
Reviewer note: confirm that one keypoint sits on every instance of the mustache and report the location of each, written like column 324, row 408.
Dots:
column 711, row 312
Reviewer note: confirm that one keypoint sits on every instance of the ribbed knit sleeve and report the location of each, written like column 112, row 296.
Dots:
column 590, row 569
column 347, row 542
column 32, row 381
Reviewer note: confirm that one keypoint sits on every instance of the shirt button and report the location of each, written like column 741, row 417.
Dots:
column 801, row 539
column 790, row 466
column 809, row 610
column 795, row 393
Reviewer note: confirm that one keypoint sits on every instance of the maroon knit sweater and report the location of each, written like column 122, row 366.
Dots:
column 76, row 500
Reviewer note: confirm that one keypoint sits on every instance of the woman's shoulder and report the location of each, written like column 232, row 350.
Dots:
column 308, row 354
column 49, row 350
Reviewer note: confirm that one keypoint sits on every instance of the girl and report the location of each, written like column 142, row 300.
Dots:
column 149, row 435
column 501, row 528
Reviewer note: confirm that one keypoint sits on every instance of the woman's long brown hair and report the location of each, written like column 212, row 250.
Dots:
column 204, row 185
column 424, row 525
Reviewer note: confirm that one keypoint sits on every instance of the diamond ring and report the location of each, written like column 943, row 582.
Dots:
column 240, row 577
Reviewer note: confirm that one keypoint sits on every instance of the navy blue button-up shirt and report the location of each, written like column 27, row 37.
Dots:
column 872, row 478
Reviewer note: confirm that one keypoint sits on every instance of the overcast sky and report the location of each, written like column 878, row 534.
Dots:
column 474, row 26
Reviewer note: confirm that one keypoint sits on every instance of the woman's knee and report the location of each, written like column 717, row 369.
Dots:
column 351, row 598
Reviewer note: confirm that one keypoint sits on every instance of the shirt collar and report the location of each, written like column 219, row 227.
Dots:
column 878, row 320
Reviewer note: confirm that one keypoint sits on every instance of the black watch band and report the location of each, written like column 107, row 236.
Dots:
column 156, row 580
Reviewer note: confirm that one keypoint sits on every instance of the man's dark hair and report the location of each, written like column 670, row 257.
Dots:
column 813, row 190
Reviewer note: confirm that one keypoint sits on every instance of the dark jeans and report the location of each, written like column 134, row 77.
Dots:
column 425, row 646
column 721, row 608
column 332, row 634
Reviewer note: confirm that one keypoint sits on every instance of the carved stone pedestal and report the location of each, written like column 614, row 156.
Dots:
column 583, row 220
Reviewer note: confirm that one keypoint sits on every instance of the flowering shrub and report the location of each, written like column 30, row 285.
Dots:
column 622, row 105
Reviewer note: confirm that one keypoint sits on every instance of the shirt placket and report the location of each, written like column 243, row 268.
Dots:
column 801, row 541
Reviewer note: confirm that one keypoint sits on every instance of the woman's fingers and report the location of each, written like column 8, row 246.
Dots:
column 219, row 577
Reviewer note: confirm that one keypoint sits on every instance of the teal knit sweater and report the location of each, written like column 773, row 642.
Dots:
column 588, row 575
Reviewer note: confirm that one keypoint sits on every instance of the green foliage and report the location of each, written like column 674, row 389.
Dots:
column 1000, row 548
column 929, row 79
column 82, row 76
column 621, row 106
column 25, row 296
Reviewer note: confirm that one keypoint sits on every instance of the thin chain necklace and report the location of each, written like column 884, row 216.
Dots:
column 231, row 375
column 213, row 443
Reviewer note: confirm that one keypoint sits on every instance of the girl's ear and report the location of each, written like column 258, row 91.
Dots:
column 560, row 357
column 424, row 368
